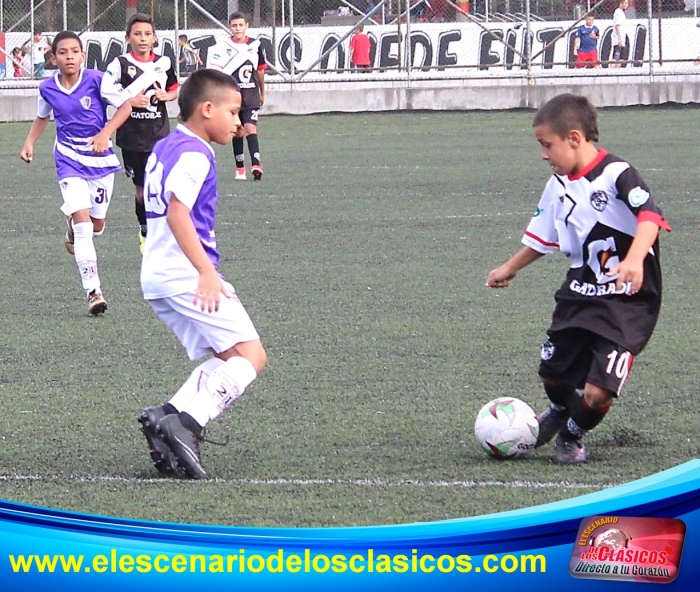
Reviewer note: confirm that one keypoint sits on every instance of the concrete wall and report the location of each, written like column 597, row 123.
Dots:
column 486, row 93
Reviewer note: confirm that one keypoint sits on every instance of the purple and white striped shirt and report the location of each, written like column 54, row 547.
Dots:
column 80, row 113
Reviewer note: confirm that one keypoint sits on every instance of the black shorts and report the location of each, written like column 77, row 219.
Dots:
column 620, row 53
column 249, row 116
column 577, row 356
column 135, row 165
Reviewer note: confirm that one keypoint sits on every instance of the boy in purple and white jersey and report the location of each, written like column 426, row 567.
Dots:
column 85, row 161
column 179, row 275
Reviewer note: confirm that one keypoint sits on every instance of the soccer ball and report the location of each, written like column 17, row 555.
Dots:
column 506, row 428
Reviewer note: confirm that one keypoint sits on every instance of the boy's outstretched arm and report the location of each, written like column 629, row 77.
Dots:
column 38, row 127
column 631, row 268
column 211, row 286
column 501, row 276
column 100, row 142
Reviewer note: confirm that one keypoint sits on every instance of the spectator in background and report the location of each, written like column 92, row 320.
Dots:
column 40, row 51
column 359, row 50
column 17, row 60
column 586, row 44
column 433, row 11
column 620, row 41
column 189, row 57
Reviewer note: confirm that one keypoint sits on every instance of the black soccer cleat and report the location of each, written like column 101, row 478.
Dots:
column 183, row 443
column 162, row 456
column 551, row 422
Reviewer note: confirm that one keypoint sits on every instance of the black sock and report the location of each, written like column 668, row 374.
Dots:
column 239, row 152
column 140, row 208
column 583, row 419
column 561, row 395
column 254, row 149
column 190, row 423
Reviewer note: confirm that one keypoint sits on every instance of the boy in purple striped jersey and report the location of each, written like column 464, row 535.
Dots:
column 179, row 275
column 85, row 161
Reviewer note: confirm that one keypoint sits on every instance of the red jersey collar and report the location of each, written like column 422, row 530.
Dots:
column 151, row 57
column 602, row 153
column 245, row 40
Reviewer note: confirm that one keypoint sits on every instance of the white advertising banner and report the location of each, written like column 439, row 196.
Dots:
column 442, row 50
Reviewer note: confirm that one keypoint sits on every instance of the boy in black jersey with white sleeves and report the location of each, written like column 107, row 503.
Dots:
column 243, row 58
column 598, row 211
column 152, row 82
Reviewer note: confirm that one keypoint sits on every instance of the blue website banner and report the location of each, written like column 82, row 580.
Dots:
column 41, row 548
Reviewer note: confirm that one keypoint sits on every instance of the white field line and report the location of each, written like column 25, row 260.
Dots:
column 416, row 483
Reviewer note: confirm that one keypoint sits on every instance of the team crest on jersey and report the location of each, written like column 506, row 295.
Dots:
column 131, row 71
column 599, row 200
column 547, row 350
column 637, row 197
column 86, row 102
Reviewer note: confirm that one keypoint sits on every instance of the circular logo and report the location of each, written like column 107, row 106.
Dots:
column 637, row 197
column 547, row 350
column 599, row 200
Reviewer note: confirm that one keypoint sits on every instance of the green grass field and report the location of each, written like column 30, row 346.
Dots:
column 361, row 258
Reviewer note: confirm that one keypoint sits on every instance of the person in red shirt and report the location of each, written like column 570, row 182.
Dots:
column 17, row 57
column 359, row 50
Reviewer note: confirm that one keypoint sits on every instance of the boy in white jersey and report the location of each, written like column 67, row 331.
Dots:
column 179, row 275
column 85, row 162
column 153, row 76
column 598, row 211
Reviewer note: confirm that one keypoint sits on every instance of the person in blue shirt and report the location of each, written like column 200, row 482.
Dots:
column 586, row 45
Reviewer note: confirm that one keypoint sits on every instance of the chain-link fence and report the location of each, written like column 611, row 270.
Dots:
column 312, row 40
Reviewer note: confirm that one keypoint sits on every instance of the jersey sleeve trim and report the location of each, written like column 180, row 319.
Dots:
column 43, row 107
column 173, row 86
column 543, row 242
column 654, row 217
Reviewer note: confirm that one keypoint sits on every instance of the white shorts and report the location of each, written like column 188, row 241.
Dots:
column 202, row 333
column 87, row 194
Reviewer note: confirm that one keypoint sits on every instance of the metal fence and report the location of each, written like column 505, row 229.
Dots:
column 308, row 40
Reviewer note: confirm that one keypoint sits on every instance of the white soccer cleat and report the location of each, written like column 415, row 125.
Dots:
column 240, row 175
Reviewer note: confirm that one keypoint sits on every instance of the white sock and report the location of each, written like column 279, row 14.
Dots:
column 85, row 255
column 224, row 385
column 194, row 383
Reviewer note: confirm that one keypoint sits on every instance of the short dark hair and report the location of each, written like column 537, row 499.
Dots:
column 182, row 37
column 62, row 36
column 237, row 15
column 202, row 85
column 567, row 112
column 140, row 17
